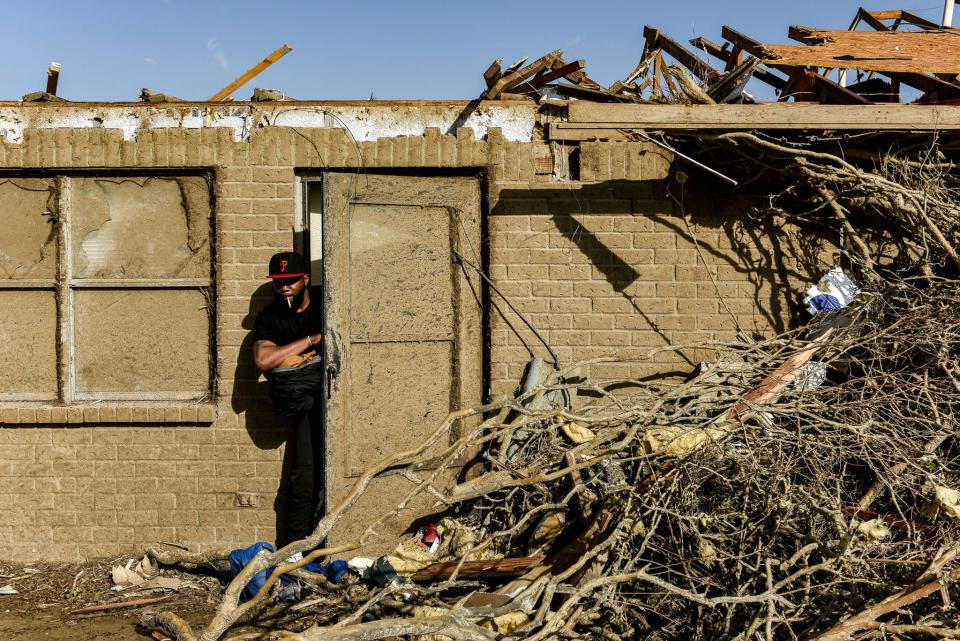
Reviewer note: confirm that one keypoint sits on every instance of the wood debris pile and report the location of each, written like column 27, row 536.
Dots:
column 881, row 52
column 805, row 485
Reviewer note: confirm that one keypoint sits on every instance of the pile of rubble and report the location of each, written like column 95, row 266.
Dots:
column 801, row 485
column 869, row 66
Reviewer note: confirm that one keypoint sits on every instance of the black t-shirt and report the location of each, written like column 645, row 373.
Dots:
column 281, row 325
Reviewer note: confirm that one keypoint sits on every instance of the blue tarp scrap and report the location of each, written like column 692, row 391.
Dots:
column 239, row 558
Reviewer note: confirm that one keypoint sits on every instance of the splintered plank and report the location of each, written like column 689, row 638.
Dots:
column 492, row 74
column 543, row 79
column 591, row 94
column 882, row 51
column 656, row 39
column 516, row 77
column 799, row 77
column 936, row 88
column 715, row 50
column 641, row 67
column 513, row 66
column 478, row 569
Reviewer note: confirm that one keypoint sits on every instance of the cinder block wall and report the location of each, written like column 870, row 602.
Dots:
column 601, row 264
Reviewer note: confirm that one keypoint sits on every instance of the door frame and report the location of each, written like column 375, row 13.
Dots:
column 313, row 178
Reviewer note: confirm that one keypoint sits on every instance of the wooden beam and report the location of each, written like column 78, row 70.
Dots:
column 914, row 19
column 492, row 74
column 668, row 77
column 800, row 87
column 642, row 67
column 866, row 16
column 812, row 86
column 734, row 59
column 584, row 115
column 928, row 84
column 543, row 79
column 751, row 46
column 579, row 135
column 719, row 52
column 578, row 77
column 656, row 40
column 591, row 94
column 53, row 75
column 494, row 568
column 516, row 77
column 709, row 47
column 831, row 90
column 825, row 85
column 224, row 93
column 800, row 33
column 900, row 15
column 891, row 14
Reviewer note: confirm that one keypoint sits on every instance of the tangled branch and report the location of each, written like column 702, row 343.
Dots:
column 747, row 501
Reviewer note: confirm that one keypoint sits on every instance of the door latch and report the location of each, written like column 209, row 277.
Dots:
column 331, row 376
column 333, row 360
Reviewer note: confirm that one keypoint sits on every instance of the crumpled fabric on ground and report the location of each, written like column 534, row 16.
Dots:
column 456, row 539
column 678, row 442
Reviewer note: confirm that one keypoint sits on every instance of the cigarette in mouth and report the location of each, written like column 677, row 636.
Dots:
column 289, row 302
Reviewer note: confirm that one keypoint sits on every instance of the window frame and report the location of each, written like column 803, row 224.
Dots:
column 65, row 288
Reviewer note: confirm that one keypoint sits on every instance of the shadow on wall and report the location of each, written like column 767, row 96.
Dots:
column 250, row 397
column 251, row 400
column 698, row 237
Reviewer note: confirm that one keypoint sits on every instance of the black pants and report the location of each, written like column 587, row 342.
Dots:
column 306, row 479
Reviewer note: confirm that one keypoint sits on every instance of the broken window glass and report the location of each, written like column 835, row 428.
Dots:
column 155, row 227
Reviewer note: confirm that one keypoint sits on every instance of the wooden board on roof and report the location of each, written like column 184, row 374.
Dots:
column 882, row 51
column 595, row 117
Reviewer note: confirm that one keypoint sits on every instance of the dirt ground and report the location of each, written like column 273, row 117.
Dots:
column 49, row 594
column 60, row 627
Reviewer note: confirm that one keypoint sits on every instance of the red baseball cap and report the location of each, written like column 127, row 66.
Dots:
column 288, row 265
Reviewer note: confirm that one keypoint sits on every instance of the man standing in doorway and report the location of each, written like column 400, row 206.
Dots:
column 287, row 349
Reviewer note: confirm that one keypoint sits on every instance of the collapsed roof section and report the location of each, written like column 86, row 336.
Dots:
column 834, row 80
column 870, row 62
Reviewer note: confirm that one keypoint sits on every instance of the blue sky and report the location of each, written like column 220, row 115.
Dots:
column 347, row 50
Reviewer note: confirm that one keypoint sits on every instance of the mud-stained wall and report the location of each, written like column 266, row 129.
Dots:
column 142, row 341
column 28, row 327
column 28, row 320
column 28, row 245
column 607, row 262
